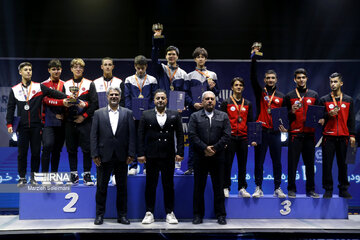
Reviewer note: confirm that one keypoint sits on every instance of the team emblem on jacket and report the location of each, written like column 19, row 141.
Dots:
column 343, row 105
column 277, row 100
column 33, row 91
column 308, row 101
column 83, row 89
column 232, row 108
column 331, row 106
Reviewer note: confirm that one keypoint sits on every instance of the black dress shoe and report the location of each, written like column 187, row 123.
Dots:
column 345, row 194
column 123, row 220
column 221, row 220
column 99, row 220
column 197, row 220
column 328, row 194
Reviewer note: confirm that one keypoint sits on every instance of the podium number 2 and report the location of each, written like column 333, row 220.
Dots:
column 286, row 209
column 74, row 198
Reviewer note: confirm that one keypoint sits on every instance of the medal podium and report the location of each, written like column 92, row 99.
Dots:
column 80, row 203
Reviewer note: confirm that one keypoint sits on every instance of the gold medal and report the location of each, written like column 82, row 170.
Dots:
column 172, row 88
column 26, row 107
column 141, row 96
column 239, row 119
column 269, row 110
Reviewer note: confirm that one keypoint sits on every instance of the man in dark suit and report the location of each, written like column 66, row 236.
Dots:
column 209, row 132
column 157, row 148
column 112, row 148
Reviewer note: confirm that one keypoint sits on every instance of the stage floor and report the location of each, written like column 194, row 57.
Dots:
column 11, row 225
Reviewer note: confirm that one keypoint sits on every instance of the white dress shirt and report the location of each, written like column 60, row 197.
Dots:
column 114, row 118
column 209, row 115
column 161, row 118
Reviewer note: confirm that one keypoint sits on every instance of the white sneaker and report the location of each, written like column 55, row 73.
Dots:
column 258, row 192
column 113, row 181
column 226, row 192
column 149, row 218
column 132, row 171
column 170, row 218
column 279, row 193
column 243, row 193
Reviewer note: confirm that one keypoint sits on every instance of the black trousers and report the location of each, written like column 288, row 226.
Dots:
column 331, row 146
column 53, row 141
column 166, row 166
column 301, row 144
column 28, row 136
column 270, row 139
column 78, row 135
column 239, row 146
column 103, row 176
column 215, row 166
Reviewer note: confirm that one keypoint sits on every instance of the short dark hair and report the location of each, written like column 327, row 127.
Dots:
column 300, row 71
column 54, row 63
column 336, row 74
column 172, row 48
column 159, row 90
column 140, row 60
column 200, row 51
column 24, row 64
column 240, row 79
column 270, row 72
column 107, row 58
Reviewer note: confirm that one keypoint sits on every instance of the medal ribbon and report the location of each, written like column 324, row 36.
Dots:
column 298, row 94
column 272, row 96
column 333, row 98
column 138, row 84
column 27, row 95
column 106, row 86
column 79, row 86
column 58, row 85
column 171, row 76
column 203, row 73
column 236, row 105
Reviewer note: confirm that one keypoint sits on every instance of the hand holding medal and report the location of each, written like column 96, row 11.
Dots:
column 157, row 29
column 74, row 94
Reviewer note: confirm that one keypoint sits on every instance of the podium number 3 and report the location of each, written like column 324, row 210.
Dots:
column 74, row 198
column 286, row 209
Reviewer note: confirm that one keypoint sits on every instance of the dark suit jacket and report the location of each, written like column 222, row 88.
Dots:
column 202, row 135
column 104, row 143
column 157, row 142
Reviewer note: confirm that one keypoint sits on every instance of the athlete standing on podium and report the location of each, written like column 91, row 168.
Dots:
column 170, row 76
column 267, row 98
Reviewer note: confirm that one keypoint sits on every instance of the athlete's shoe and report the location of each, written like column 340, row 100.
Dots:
column 279, row 193
column 87, row 180
column 258, row 192
column 243, row 193
column 170, row 218
column 149, row 218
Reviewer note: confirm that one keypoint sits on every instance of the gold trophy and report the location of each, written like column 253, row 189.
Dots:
column 158, row 27
column 74, row 94
column 255, row 52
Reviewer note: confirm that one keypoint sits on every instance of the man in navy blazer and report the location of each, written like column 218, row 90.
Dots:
column 156, row 132
column 113, row 143
column 209, row 132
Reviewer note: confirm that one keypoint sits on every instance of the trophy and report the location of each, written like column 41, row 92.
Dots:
column 158, row 27
column 74, row 94
column 256, row 54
